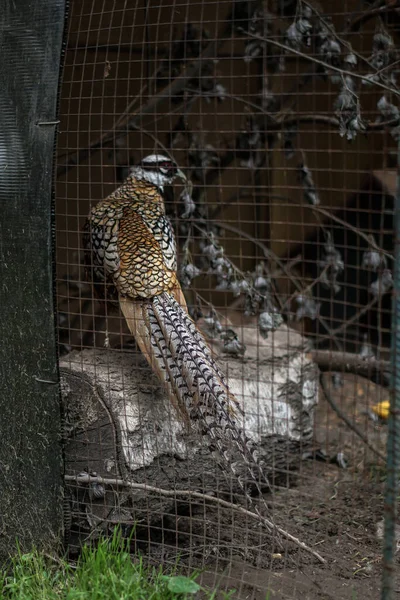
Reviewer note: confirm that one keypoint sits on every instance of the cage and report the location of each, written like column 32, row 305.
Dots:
column 283, row 117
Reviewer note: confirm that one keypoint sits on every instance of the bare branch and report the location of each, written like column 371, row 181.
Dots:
column 326, row 120
column 87, row 479
column 356, row 317
column 337, row 219
column 128, row 120
column 373, row 12
column 349, row 362
column 349, row 423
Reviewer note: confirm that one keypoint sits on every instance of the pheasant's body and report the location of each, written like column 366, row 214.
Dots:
column 131, row 241
column 130, row 248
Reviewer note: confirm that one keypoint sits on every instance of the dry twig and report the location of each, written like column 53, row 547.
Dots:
column 86, row 479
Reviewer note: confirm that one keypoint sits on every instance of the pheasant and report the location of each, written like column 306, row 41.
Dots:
column 130, row 253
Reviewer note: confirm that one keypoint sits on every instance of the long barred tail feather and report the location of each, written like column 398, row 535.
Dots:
column 183, row 361
column 137, row 319
column 200, row 385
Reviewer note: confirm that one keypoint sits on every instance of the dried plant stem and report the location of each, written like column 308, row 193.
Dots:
column 341, row 41
column 317, row 61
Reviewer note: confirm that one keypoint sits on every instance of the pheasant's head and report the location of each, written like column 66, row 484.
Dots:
column 158, row 170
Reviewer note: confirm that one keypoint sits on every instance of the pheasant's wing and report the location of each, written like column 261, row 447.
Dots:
column 100, row 233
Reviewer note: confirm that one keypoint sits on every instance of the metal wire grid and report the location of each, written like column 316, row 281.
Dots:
column 258, row 129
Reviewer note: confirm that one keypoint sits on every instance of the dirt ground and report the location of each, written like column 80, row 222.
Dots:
column 335, row 511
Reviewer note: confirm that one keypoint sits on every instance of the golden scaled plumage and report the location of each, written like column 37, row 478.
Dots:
column 142, row 271
column 130, row 245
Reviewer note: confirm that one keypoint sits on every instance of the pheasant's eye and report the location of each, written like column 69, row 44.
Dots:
column 167, row 165
column 168, row 168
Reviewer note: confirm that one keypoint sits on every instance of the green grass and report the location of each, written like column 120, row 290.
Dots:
column 106, row 572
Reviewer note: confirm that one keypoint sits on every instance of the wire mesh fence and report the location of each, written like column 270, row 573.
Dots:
column 283, row 117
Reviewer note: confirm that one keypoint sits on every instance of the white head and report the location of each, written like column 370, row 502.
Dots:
column 158, row 170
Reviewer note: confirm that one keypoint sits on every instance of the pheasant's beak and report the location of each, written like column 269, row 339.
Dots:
column 181, row 175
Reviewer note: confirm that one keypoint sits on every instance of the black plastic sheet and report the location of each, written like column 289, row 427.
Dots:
column 31, row 36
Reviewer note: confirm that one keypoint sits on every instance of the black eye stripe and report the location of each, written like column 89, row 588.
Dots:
column 167, row 166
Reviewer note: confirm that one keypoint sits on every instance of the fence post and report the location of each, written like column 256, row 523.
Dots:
column 393, row 443
column 31, row 35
